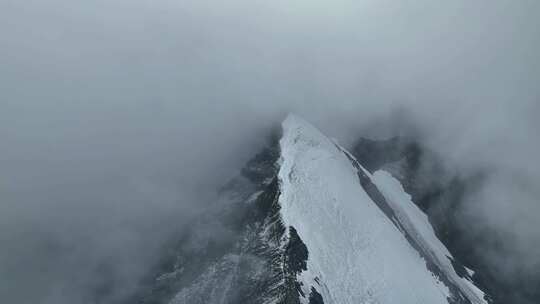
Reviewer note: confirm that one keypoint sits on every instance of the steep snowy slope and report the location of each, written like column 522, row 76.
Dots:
column 358, row 251
column 417, row 225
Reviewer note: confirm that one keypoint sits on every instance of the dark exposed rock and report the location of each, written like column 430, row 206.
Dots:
column 296, row 252
column 315, row 297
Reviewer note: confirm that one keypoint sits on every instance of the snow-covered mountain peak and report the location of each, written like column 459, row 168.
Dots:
column 310, row 225
column 359, row 251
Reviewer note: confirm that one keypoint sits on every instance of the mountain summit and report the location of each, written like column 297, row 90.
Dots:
column 310, row 225
column 367, row 242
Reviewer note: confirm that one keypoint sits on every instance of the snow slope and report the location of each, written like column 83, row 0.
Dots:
column 356, row 253
column 417, row 224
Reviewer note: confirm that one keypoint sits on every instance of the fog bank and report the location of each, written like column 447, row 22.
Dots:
column 119, row 118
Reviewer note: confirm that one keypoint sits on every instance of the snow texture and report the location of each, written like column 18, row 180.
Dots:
column 418, row 226
column 356, row 254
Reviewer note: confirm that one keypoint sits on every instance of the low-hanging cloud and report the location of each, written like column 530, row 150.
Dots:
column 118, row 118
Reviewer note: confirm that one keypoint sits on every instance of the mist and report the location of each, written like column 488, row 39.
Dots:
column 119, row 119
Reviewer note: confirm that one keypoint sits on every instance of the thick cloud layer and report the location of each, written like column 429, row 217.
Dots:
column 117, row 118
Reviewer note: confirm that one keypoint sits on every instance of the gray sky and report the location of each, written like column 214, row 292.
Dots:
column 117, row 116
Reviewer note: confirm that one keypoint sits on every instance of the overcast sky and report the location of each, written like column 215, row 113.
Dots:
column 116, row 117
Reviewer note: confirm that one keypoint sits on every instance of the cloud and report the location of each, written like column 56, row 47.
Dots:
column 117, row 117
